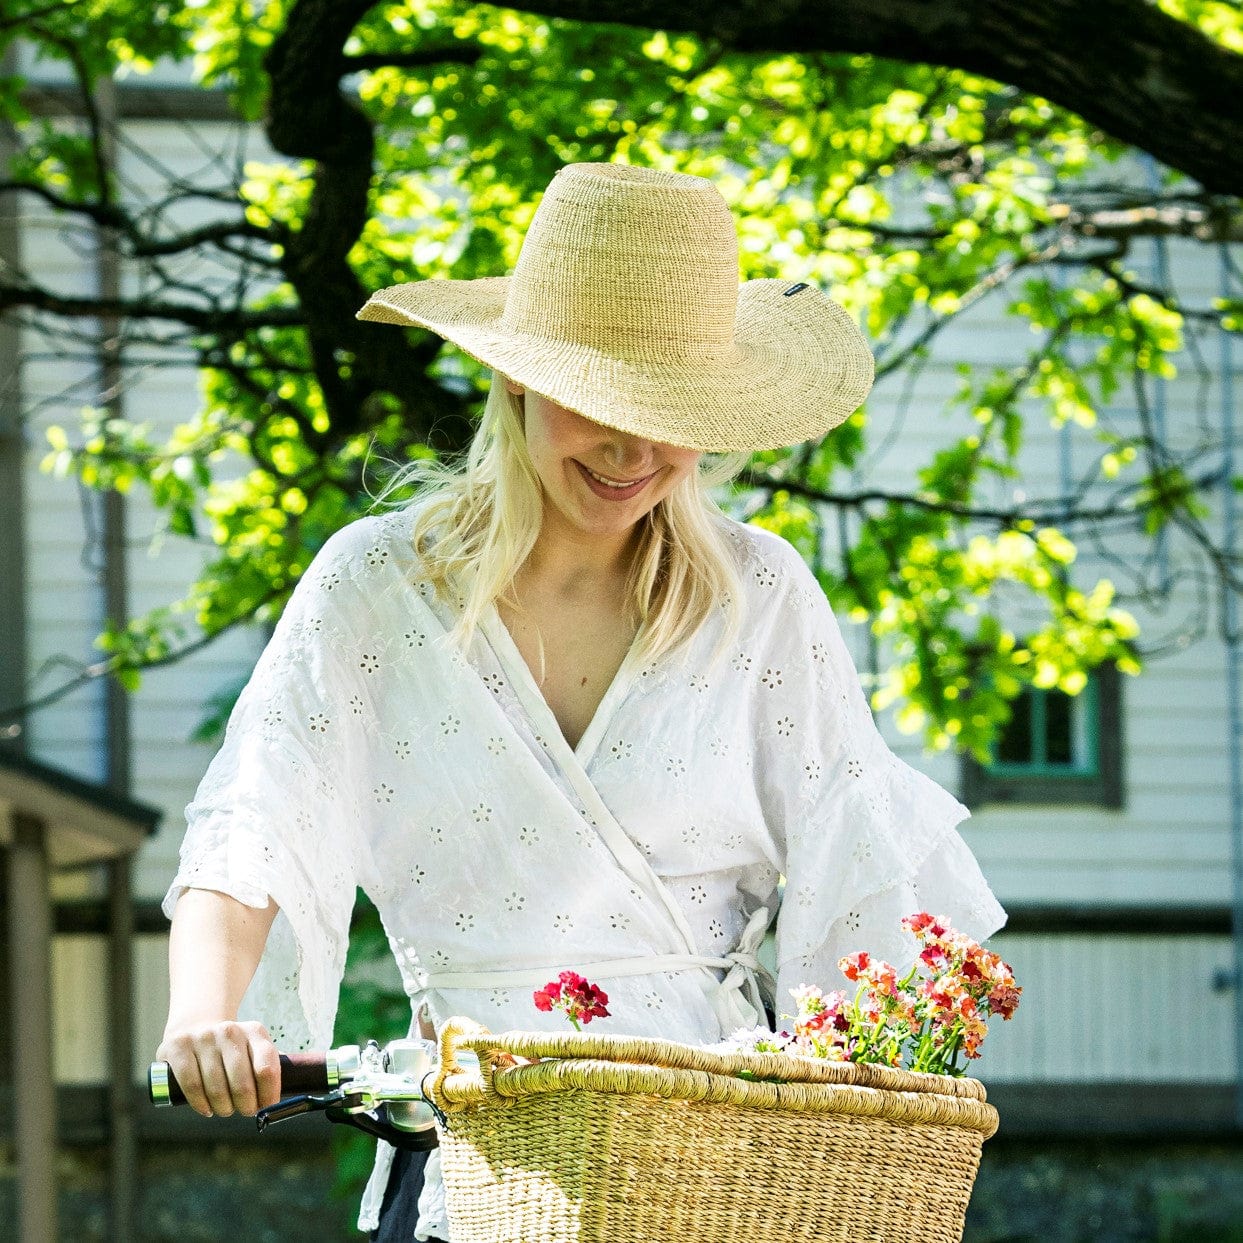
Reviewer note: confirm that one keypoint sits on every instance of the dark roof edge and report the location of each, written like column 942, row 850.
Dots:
column 141, row 814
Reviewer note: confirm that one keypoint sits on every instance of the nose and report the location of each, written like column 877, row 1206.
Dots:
column 631, row 455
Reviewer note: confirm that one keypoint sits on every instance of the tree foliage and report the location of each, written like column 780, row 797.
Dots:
column 414, row 140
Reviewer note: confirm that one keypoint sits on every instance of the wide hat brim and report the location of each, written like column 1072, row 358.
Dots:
column 799, row 366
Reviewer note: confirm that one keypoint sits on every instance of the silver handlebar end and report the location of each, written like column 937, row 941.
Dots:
column 342, row 1064
column 157, row 1078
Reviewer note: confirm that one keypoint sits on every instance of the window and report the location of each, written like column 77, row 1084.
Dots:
column 1056, row 748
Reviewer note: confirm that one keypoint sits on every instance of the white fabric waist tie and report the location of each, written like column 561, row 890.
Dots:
column 732, row 1008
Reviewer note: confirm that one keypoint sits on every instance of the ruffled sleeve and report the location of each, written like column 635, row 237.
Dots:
column 866, row 837
column 278, row 811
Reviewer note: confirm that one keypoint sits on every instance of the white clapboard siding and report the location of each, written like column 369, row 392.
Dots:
column 1170, row 842
column 1112, row 1008
column 62, row 607
column 63, row 595
column 1051, row 865
column 80, row 1006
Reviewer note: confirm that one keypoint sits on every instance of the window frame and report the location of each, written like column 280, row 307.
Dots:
column 1059, row 785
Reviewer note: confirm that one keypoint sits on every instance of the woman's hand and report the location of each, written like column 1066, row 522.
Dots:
column 223, row 1067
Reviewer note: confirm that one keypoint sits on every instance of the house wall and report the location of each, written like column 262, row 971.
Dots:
column 1093, row 1007
column 1170, row 843
column 62, row 550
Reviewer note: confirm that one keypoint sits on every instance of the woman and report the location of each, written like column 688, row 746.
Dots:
column 560, row 711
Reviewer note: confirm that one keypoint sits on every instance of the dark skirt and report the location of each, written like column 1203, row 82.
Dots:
column 400, row 1211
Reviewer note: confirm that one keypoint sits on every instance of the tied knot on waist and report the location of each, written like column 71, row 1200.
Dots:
column 744, row 973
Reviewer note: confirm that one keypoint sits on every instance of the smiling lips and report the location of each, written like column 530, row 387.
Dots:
column 610, row 489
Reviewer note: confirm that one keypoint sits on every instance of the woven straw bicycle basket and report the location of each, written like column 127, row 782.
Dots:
column 578, row 1138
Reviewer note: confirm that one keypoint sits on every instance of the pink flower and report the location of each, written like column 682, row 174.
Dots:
column 936, row 1011
column 884, row 979
column 572, row 993
column 808, row 997
column 1003, row 1000
column 854, row 965
column 813, row 1023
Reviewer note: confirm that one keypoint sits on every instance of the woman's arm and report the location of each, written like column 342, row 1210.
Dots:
column 213, row 950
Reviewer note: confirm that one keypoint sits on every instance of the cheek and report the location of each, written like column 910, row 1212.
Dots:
column 549, row 453
column 568, row 431
column 684, row 466
column 676, row 475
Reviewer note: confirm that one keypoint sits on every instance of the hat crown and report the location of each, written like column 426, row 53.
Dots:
column 639, row 261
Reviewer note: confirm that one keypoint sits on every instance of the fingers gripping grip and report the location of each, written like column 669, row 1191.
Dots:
column 300, row 1072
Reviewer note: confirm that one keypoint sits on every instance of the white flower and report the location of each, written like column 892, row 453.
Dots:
column 750, row 1040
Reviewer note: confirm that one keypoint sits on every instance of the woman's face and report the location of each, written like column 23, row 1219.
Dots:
column 566, row 448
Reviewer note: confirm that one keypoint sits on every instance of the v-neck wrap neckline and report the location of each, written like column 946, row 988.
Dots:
column 528, row 691
column 736, row 999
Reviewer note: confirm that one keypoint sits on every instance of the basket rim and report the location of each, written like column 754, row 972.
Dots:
column 618, row 1064
column 461, row 1034
column 506, row 1087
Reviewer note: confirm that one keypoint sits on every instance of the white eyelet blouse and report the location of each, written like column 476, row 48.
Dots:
column 364, row 753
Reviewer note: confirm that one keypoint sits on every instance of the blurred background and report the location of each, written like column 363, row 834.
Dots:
column 1029, row 532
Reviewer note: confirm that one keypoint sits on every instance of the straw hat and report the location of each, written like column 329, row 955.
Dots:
column 625, row 306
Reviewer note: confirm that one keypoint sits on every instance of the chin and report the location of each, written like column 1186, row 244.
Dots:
column 604, row 525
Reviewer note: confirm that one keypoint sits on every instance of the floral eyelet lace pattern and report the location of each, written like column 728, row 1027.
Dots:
column 363, row 751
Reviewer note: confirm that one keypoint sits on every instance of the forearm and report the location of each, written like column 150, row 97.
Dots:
column 214, row 947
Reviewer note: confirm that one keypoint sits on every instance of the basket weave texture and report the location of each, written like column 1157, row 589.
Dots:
column 635, row 1140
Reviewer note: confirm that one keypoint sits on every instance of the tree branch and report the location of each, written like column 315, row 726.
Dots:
column 74, row 55
column 102, row 213
column 310, row 118
column 18, row 21
column 1044, row 513
column 1151, row 217
column 1212, row 223
column 207, row 319
column 12, row 717
column 142, row 246
column 218, row 233
column 1162, row 85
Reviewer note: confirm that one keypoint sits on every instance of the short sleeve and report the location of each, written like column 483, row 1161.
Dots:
column 278, row 811
column 866, row 837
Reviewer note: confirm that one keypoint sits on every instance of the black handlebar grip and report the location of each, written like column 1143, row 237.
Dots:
column 300, row 1072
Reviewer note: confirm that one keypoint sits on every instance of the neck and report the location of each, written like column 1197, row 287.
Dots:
column 574, row 562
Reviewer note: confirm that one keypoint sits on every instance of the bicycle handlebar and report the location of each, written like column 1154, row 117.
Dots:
column 300, row 1072
column 378, row 1090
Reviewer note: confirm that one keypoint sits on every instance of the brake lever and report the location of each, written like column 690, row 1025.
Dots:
column 292, row 1106
column 349, row 1108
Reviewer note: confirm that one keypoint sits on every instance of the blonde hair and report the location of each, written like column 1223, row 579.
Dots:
column 479, row 519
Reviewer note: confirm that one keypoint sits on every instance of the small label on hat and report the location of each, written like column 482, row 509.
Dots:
column 795, row 288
